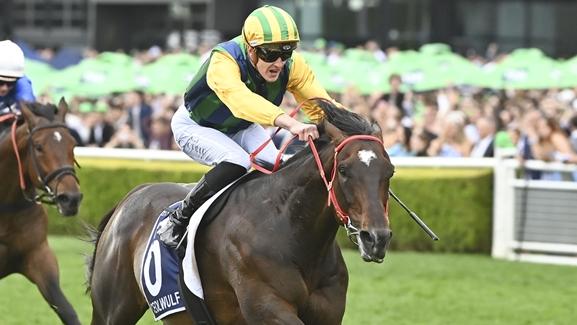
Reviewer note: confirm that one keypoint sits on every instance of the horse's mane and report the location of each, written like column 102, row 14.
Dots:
column 348, row 122
column 48, row 111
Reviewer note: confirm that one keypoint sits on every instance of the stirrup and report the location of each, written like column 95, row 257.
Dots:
column 166, row 232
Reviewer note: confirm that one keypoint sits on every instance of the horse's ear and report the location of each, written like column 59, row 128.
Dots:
column 333, row 132
column 377, row 131
column 29, row 117
column 62, row 109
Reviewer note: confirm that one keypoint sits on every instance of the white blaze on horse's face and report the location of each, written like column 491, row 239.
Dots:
column 366, row 156
column 57, row 136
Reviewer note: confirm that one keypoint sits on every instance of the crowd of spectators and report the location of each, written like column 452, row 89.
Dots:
column 455, row 121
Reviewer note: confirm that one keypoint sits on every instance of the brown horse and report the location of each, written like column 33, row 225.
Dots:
column 270, row 255
column 36, row 155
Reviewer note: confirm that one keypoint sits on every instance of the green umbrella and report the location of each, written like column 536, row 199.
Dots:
column 314, row 58
column 569, row 69
column 359, row 55
column 435, row 48
column 115, row 58
column 530, row 69
column 170, row 74
column 444, row 70
column 40, row 74
column 330, row 79
column 405, row 62
column 96, row 77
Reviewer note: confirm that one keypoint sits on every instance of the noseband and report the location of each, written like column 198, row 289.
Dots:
column 47, row 195
column 352, row 231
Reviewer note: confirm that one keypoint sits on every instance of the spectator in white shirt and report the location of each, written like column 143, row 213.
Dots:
column 484, row 147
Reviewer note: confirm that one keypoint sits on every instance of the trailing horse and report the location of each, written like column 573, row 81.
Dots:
column 269, row 255
column 36, row 155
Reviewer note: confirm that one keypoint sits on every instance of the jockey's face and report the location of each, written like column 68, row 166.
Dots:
column 5, row 87
column 269, row 62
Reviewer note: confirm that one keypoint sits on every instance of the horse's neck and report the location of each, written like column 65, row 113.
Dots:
column 10, row 190
column 307, row 193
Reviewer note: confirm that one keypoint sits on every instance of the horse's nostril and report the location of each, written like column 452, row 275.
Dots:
column 366, row 237
column 63, row 198
column 386, row 234
column 69, row 198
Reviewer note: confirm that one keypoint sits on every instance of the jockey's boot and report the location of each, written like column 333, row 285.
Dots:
column 224, row 173
column 172, row 231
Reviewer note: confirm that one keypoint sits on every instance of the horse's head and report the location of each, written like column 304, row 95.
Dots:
column 361, row 174
column 50, row 158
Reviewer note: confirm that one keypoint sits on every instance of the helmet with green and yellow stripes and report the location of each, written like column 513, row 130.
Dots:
column 270, row 25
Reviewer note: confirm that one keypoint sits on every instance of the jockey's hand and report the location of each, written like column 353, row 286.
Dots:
column 302, row 130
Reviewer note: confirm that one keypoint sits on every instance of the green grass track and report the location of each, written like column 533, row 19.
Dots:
column 408, row 288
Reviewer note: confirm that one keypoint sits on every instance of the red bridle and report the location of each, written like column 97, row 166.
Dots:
column 343, row 216
column 14, row 118
column 48, row 196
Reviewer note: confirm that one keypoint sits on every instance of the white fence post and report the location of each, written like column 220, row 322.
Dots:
column 503, row 205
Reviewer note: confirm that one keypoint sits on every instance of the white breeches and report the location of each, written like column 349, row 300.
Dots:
column 209, row 146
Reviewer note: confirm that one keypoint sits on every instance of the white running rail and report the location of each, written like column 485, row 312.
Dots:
column 533, row 220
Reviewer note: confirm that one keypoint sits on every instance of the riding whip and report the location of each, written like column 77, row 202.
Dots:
column 415, row 217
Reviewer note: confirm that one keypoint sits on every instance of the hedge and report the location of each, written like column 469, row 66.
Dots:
column 455, row 203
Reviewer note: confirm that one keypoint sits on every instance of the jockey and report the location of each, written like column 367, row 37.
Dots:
column 235, row 92
column 14, row 86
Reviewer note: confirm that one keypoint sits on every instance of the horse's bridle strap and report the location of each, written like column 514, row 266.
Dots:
column 55, row 174
column 285, row 146
column 343, row 216
column 17, row 153
column 332, row 198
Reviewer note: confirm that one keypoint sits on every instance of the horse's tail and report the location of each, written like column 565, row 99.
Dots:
column 95, row 234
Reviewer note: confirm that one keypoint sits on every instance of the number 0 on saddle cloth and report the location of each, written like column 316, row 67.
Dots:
column 159, row 274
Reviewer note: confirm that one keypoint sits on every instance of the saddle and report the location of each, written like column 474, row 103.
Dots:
column 194, row 304
column 219, row 204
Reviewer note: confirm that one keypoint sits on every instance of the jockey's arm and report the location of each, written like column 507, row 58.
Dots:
column 24, row 91
column 223, row 77
column 304, row 85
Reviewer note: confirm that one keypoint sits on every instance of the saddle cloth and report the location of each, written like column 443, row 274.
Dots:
column 159, row 267
column 159, row 273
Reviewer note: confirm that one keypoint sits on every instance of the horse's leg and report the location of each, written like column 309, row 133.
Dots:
column 40, row 267
column 260, row 305
column 116, row 298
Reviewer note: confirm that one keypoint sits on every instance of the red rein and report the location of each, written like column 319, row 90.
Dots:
column 343, row 216
column 15, row 145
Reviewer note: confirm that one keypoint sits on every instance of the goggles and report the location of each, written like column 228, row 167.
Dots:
column 272, row 55
column 271, row 52
column 7, row 83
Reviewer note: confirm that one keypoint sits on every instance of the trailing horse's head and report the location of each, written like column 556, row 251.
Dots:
column 361, row 174
column 49, row 161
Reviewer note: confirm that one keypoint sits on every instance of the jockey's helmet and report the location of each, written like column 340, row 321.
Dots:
column 269, row 25
column 11, row 61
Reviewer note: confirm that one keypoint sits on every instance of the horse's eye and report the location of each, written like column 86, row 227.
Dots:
column 343, row 170
column 38, row 147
